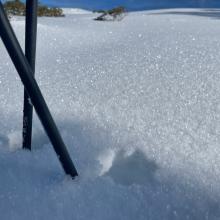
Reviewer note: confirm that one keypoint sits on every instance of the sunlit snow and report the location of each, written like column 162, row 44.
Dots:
column 138, row 105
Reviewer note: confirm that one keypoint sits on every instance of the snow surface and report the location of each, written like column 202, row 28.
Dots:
column 138, row 105
column 70, row 11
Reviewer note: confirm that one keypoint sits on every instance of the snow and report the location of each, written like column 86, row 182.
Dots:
column 73, row 11
column 138, row 105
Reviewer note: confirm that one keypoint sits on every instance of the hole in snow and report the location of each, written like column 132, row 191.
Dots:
column 132, row 169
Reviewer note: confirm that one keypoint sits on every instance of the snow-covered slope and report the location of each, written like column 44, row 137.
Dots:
column 138, row 105
column 73, row 11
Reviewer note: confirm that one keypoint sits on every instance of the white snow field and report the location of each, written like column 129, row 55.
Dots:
column 138, row 105
column 74, row 11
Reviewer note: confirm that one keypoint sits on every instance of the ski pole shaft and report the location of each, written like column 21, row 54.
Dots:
column 30, row 53
column 26, row 74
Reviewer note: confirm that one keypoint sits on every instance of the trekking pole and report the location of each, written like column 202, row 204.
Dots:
column 30, row 53
column 26, row 74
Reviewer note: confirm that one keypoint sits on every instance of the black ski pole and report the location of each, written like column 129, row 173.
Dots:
column 30, row 53
column 26, row 74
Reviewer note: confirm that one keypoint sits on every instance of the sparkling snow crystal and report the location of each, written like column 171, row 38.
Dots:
column 138, row 105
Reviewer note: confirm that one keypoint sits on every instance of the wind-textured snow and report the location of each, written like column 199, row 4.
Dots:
column 138, row 105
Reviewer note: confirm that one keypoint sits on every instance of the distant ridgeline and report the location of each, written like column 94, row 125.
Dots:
column 17, row 7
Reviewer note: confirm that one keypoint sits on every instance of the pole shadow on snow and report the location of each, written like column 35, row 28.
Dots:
column 3, row 140
column 86, row 141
